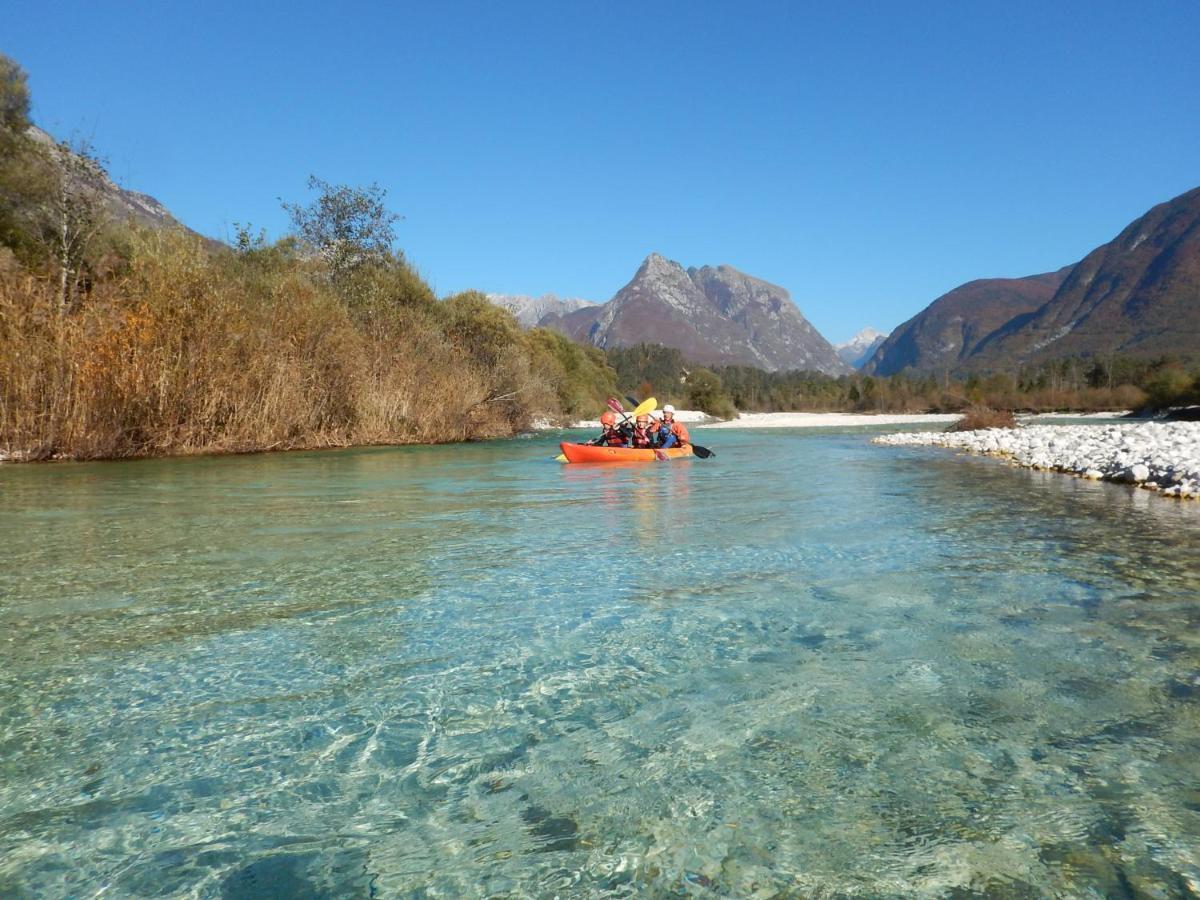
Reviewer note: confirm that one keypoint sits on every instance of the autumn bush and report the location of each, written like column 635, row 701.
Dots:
column 975, row 418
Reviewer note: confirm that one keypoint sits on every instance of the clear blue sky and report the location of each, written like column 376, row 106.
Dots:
column 866, row 156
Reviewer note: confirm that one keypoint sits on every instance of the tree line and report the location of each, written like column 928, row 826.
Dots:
column 1110, row 382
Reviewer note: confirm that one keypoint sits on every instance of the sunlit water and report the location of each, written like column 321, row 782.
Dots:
column 808, row 667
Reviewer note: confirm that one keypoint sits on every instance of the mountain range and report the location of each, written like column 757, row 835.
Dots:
column 1138, row 295
column 530, row 311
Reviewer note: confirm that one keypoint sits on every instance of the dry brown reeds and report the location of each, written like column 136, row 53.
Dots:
column 185, row 352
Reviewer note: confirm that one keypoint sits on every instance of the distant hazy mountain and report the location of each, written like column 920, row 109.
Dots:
column 859, row 349
column 530, row 311
column 714, row 316
column 1139, row 294
column 945, row 334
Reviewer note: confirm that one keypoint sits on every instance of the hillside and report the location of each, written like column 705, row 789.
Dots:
column 1138, row 295
column 122, row 204
column 713, row 315
column 946, row 333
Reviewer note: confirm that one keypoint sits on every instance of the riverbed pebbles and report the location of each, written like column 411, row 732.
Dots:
column 1159, row 456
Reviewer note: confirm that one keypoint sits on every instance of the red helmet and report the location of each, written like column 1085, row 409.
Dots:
column 608, row 418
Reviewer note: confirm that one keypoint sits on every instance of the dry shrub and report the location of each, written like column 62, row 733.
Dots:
column 976, row 418
column 185, row 353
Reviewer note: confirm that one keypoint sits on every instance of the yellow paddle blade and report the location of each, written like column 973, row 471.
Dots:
column 645, row 407
column 560, row 458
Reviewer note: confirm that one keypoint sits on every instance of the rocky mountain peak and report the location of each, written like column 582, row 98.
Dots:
column 713, row 315
column 655, row 264
column 857, row 351
column 658, row 270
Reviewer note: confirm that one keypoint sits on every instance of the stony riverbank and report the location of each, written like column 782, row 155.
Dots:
column 1163, row 457
column 834, row 420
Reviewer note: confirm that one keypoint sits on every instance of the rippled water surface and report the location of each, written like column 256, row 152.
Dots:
column 807, row 667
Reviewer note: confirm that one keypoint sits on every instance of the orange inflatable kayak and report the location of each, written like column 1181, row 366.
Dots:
column 587, row 453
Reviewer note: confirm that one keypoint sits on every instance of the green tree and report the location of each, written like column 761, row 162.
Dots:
column 480, row 328
column 14, row 97
column 578, row 374
column 24, row 175
column 51, row 195
column 705, row 393
column 77, row 213
column 1172, row 385
column 347, row 227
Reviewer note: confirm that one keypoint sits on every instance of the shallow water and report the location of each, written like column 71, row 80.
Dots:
column 807, row 667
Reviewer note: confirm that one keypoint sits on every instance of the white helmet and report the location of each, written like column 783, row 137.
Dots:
column 669, row 409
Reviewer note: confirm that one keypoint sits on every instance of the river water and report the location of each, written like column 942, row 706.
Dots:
column 807, row 667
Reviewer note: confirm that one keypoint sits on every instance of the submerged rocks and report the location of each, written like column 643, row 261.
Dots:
column 1163, row 457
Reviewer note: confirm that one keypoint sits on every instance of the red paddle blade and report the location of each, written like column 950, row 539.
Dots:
column 615, row 405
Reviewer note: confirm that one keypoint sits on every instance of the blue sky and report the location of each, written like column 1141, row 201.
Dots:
column 866, row 156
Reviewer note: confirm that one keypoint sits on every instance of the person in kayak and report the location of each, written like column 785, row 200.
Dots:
column 613, row 434
column 669, row 433
column 642, row 436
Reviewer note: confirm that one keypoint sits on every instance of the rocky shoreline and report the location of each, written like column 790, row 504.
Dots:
column 1159, row 456
column 834, row 420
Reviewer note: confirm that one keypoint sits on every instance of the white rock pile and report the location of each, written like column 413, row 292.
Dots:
column 1159, row 456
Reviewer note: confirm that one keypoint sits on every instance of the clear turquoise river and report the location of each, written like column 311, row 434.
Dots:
column 809, row 667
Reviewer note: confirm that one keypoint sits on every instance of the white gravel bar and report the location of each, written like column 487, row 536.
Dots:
column 833, row 420
column 1159, row 456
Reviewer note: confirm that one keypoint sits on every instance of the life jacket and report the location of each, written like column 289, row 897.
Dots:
column 641, row 437
column 663, row 429
column 613, row 437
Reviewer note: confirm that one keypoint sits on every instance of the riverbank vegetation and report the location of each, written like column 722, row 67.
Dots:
column 124, row 340
column 181, row 350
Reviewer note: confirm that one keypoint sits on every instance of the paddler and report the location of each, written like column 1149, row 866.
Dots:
column 642, row 436
column 668, row 432
column 612, row 434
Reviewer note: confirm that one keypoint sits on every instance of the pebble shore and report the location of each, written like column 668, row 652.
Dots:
column 1158, row 456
